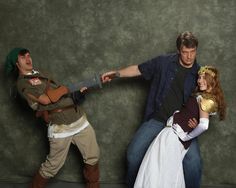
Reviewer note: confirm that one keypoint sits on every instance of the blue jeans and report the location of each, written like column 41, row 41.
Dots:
column 139, row 145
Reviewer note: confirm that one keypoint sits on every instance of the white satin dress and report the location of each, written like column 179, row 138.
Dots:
column 162, row 164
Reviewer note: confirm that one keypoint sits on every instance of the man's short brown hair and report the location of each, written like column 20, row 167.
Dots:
column 186, row 39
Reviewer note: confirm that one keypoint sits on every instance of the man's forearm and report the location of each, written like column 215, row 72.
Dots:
column 130, row 71
column 44, row 100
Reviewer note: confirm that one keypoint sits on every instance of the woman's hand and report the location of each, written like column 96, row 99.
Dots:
column 192, row 123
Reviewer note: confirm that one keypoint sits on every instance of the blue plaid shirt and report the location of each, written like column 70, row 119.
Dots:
column 161, row 71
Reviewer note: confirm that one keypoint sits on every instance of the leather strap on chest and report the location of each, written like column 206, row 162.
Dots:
column 55, row 94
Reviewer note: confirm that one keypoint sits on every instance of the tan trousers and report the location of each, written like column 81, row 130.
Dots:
column 59, row 147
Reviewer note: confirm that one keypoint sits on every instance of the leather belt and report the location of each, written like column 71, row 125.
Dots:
column 58, row 110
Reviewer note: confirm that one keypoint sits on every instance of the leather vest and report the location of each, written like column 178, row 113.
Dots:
column 190, row 110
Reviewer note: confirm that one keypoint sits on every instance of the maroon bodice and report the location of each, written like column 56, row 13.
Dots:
column 190, row 110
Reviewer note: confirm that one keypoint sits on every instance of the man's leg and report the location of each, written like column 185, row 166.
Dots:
column 58, row 151
column 59, row 148
column 138, row 147
column 87, row 144
column 192, row 165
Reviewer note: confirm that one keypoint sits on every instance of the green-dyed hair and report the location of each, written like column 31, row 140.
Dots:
column 11, row 59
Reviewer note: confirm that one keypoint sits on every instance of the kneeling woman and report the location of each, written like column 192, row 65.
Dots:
column 162, row 165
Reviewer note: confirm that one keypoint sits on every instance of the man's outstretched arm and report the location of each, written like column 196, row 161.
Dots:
column 130, row 71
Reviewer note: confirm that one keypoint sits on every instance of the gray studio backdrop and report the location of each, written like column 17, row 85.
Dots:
column 74, row 39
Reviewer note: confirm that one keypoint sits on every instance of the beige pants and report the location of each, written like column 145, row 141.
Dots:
column 59, row 147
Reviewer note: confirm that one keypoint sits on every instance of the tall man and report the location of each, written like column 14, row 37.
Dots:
column 173, row 79
column 67, row 122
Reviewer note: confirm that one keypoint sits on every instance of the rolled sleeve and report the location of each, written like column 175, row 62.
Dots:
column 24, row 88
column 33, row 90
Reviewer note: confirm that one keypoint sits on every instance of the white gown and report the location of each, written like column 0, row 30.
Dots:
column 162, row 164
